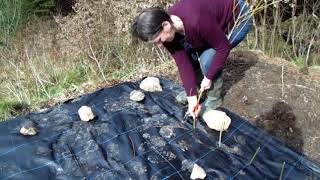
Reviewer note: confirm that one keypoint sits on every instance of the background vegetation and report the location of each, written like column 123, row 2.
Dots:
column 52, row 50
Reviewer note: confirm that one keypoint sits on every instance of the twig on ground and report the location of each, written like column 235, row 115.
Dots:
column 296, row 85
column 301, row 86
column 133, row 149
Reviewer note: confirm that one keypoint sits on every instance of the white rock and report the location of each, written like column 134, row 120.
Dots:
column 151, row 84
column 137, row 95
column 28, row 131
column 217, row 120
column 197, row 172
column 85, row 113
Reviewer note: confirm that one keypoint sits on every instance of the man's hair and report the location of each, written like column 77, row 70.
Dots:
column 148, row 24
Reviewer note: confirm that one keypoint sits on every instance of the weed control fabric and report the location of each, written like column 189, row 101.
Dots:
column 141, row 140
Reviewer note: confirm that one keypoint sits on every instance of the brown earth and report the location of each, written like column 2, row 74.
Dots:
column 276, row 96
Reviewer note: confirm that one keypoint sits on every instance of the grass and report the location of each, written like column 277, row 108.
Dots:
column 10, row 17
column 279, row 48
column 292, row 39
column 299, row 62
column 27, row 96
column 66, row 83
column 7, row 107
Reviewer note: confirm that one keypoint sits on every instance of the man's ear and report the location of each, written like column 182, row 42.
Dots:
column 166, row 25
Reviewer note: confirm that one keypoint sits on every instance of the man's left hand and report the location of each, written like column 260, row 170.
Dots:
column 205, row 84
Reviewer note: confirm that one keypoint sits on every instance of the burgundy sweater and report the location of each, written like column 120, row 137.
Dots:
column 206, row 24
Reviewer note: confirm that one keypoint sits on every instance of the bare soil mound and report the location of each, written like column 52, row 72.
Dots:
column 275, row 96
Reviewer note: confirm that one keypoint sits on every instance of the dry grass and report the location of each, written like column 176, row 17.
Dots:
column 292, row 39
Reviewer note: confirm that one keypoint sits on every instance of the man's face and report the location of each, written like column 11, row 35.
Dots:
column 166, row 35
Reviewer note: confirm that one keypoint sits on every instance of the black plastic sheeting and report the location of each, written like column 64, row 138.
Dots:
column 146, row 140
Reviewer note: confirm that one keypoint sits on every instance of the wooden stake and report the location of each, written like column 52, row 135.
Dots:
column 282, row 83
column 194, row 122
column 284, row 163
column 257, row 151
column 220, row 136
column 194, row 118
column 199, row 97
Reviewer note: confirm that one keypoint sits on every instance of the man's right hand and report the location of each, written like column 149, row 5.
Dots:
column 193, row 106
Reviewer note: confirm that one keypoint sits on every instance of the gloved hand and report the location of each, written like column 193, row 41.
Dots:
column 205, row 84
column 193, row 106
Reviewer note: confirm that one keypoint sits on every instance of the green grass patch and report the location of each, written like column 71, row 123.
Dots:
column 66, row 81
column 9, row 108
column 299, row 62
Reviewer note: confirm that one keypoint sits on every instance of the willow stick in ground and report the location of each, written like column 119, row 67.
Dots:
column 198, row 101
column 220, row 135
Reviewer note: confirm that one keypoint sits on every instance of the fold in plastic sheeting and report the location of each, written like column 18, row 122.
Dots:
column 145, row 140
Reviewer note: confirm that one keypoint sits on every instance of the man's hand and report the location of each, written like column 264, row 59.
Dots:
column 193, row 108
column 205, row 84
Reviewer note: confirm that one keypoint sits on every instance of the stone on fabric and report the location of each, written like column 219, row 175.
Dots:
column 136, row 95
column 28, row 130
column 85, row 113
column 197, row 172
column 151, row 84
column 217, row 120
